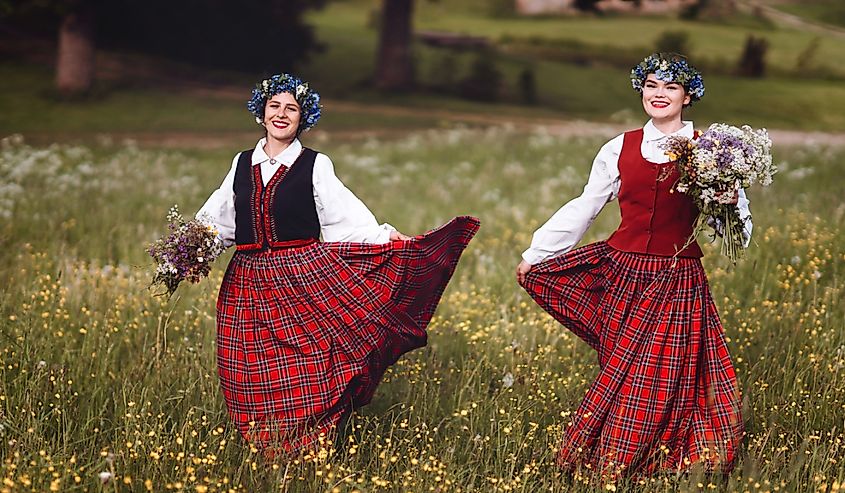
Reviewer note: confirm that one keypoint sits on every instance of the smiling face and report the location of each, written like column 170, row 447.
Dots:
column 664, row 101
column 281, row 117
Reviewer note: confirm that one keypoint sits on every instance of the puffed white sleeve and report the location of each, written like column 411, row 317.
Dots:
column 743, row 204
column 219, row 209
column 567, row 226
column 343, row 217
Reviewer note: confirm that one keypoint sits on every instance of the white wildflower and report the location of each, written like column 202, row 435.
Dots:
column 507, row 381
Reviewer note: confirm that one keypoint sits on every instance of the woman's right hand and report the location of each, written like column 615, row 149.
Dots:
column 521, row 270
column 397, row 236
column 728, row 197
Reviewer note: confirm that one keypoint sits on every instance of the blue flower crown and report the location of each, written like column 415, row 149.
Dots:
column 669, row 68
column 308, row 99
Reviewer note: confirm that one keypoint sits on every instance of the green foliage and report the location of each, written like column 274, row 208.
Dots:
column 259, row 35
column 721, row 42
column 673, row 42
column 444, row 72
column 501, row 8
column 484, row 80
column 528, row 86
column 752, row 63
column 822, row 11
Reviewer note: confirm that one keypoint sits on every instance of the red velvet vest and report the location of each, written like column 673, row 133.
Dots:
column 655, row 219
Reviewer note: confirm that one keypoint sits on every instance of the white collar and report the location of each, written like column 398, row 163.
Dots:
column 286, row 157
column 651, row 133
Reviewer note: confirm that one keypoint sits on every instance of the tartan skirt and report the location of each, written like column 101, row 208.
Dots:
column 305, row 334
column 666, row 395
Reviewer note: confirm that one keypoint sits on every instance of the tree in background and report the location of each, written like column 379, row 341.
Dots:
column 76, row 50
column 673, row 42
column 72, row 23
column 394, row 59
column 252, row 35
column 752, row 62
column 528, row 86
column 484, row 80
column 586, row 5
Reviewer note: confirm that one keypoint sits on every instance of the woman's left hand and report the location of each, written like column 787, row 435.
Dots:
column 397, row 236
column 521, row 270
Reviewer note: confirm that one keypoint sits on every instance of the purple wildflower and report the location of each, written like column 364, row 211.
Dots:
column 186, row 253
column 713, row 168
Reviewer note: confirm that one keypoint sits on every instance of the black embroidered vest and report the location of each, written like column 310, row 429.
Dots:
column 279, row 213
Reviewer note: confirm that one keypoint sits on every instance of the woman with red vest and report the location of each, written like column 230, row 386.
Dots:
column 666, row 395
column 306, row 328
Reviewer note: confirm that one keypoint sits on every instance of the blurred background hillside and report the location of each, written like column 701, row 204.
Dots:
column 69, row 69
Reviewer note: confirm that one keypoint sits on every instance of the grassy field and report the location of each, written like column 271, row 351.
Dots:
column 718, row 42
column 100, row 377
column 565, row 91
column 597, row 91
column 823, row 11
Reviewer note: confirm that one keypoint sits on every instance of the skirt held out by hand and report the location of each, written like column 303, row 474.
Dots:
column 305, row 334
column 666, row 395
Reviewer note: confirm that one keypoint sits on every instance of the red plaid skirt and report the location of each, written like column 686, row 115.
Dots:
column 305, row 334
column 666, row 395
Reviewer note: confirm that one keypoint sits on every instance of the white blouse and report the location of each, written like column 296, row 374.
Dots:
column 567, row 226
column 343, row 217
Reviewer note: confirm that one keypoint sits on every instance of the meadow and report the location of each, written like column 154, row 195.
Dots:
column 105, row 387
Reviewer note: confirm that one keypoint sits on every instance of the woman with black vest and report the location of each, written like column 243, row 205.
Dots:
column 666, row 395
column 319, row 299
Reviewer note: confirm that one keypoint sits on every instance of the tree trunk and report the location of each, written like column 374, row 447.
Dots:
column 394, row 66
column 75, row 60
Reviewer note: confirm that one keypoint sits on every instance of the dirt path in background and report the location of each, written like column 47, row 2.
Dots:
column 556, row 127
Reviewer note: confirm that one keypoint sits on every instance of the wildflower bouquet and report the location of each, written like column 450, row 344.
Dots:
column 185, row 253
column 712, row 170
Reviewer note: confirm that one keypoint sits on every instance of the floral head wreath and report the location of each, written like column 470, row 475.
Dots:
column 669, row 68
column 308, row 99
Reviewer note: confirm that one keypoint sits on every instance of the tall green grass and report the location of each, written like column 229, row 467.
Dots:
column 98, row 376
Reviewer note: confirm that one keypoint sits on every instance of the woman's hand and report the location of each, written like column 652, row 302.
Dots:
column 728, row 197
column 521, row 270
column 397, row 236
